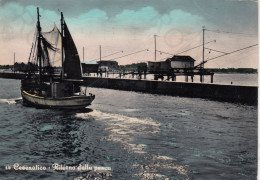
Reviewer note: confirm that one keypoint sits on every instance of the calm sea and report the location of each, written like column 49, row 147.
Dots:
column 130, row 135
column 227, row 79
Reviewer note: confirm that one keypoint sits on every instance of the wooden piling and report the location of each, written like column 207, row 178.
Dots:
column 211, row 78
column 186, row 78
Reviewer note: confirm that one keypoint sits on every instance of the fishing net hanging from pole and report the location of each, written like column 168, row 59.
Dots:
column 52, row 47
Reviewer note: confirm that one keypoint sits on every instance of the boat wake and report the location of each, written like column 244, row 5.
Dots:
column 126, row 131
column 11, row 101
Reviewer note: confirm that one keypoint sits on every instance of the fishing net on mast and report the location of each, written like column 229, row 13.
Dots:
column 51, row 44
column 50, row 50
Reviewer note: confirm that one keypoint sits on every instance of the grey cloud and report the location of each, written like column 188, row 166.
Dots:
column 230, row 14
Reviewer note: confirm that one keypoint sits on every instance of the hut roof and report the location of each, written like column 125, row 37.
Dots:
column 181, row 58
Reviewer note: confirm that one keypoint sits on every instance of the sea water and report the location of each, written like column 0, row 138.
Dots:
column 127, row 135
column 226, row 79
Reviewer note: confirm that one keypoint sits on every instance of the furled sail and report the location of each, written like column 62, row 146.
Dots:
column 72, row 66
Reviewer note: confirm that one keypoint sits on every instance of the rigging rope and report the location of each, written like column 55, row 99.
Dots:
column 131, row 54
column 216, row 50
column 226, row 54
column 226, row 32
column 185, row 50
column 233, row 52
column 108, row 55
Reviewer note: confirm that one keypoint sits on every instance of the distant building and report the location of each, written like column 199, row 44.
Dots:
column 176, row 62
column 107, row 65
column 159, row 66
column 22, row 67
column 19, row 67
column 90, row 67
column 95, row 66
column 181, row 62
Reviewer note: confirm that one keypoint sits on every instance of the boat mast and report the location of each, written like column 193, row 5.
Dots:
column 62, row 56
column 83, row 54
column 100, row 58
column 203, row 48
column 39, row 57
column 155, row 47
column 100, row 53
column 203, row 52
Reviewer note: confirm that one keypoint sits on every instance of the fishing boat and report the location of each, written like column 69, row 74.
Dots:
column 43, row 86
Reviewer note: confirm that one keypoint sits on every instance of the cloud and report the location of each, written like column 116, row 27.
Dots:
column 146, row 15
column 245, row 0
column 229, row 14
column 122, row 23
column 89, row 20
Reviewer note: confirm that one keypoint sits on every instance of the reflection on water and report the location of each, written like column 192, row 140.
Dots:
column 138, row 136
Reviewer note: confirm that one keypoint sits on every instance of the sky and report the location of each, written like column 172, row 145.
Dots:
column 130, row 26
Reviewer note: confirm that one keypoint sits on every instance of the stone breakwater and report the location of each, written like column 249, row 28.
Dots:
column 228, row 93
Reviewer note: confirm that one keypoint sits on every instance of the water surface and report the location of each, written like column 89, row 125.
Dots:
column 137, row 135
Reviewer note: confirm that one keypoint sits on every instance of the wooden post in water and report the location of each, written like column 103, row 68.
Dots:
column 186, row 78
column 173, row 78
column 211, row 78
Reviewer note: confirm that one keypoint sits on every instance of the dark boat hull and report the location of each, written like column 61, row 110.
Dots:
column 73, row 102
